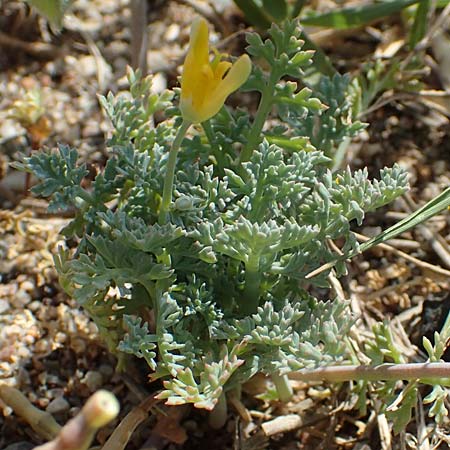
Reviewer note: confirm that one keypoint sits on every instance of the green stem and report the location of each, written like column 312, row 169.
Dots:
column 250, row 295
column 254, row 137
column 217, row 151
column 85, row 196
column 297, row 8
column 340, row 154
column 411, row 371
column 218, row 416
column 170, row 172
column 284, row 389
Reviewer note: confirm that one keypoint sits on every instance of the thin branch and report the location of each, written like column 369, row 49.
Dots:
column 38, row 49
column 383, row 372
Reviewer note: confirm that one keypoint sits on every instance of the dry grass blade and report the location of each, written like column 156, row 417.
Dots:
column 439, row 245
column 418, row 262
column 38, row 49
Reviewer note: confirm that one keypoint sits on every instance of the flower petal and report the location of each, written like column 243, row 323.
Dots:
column 235, row 78
column 196, row 58
column 205, row 85
column 221, row 69
column 199, row 41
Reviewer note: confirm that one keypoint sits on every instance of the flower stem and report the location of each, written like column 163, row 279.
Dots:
column 254, row 137
column 284, row 389
column 250, row 295
column 411, row 371
column 218, row 416
column 170, row 172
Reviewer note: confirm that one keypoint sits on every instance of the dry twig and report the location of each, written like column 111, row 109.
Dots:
column 382, row 372
column 418, row 262
column 37, row 49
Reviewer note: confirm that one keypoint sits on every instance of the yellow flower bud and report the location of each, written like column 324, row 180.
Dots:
column 206, row 84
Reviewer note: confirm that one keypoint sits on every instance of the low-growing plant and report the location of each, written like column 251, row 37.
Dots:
column 196, row 240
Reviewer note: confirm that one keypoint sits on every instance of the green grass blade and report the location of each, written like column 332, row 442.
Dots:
column 297, row 7
column 253, row 13
column 427, row 211
column 419, row 27
column 53, row 10
column 356, row 16
column 277, row 10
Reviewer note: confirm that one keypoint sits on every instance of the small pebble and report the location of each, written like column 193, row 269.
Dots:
column 42, row 346
column 172, row 32
column 4, row 306
column 159, row 83
column 371, row 231
column 440, row 167
column 23, row 352
column 58, row 405
column 87, row 66
column 54, row 393
column 43, row 402
column 27, row 286
column 115, row 49
column 53, row 380
column 60, row 338
column 91, row 129
column 78, row 345
column 35, row 305
column 93, row 380
column 106, row 370
column 21, row 299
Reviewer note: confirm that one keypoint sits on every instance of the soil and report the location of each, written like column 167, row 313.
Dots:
column 50, row 350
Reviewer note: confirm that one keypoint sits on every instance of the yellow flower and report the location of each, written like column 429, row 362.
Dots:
column 206, row 84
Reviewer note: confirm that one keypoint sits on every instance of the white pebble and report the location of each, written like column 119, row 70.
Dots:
column 4, row 306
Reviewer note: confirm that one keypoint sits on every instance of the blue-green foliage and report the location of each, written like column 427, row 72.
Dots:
column 224, row 279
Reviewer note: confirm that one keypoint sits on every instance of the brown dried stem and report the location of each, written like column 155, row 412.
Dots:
column 122, row 434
